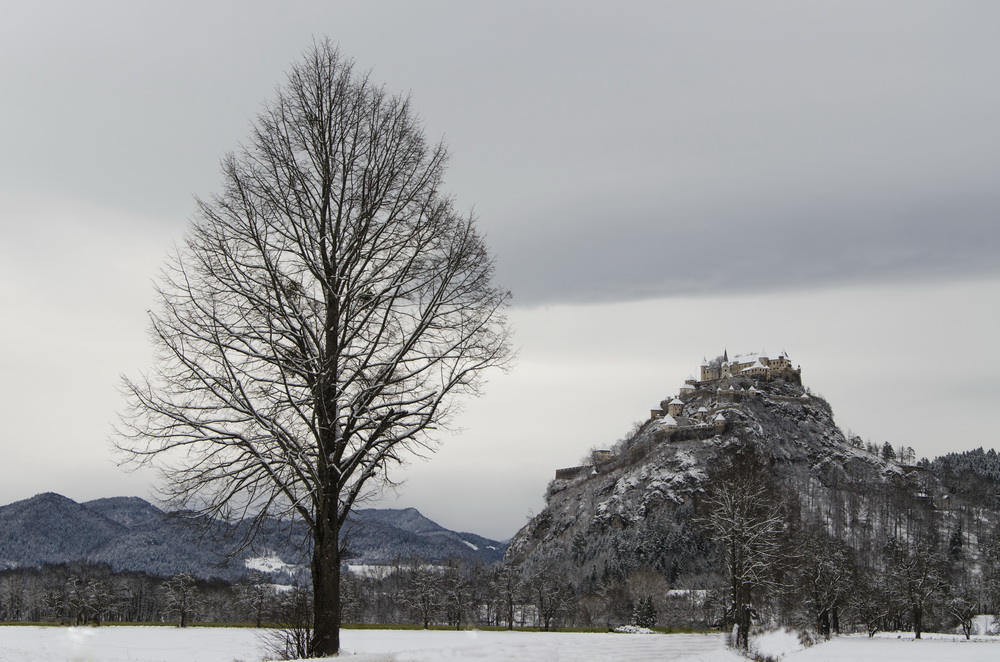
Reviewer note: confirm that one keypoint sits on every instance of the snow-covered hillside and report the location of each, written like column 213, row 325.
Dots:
column 641, row 505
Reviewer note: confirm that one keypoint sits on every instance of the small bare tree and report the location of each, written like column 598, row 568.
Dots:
column 180, row 597
column 258, row 596
column 325, row 310
column 423, row 592
column 508, row 588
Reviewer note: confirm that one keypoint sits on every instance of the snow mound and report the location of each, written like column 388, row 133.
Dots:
column 777, row 643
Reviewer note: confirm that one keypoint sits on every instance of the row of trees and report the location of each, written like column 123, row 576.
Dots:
column 802, row 578
column 79, row 594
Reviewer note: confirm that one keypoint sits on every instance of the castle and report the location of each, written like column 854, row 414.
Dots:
column 723, row 371
column 757, row 365
column 724, row 378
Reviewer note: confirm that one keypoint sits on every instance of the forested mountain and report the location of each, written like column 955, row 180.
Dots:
column 129, row 533
column 377, row 536
column 746, row 484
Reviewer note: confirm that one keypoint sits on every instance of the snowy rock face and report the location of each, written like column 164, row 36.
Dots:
column 640, row 508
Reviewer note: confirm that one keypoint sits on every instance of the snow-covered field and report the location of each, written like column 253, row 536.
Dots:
column 168, row 644
column 906, row 649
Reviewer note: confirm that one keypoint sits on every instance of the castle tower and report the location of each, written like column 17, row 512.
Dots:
column 675, row 407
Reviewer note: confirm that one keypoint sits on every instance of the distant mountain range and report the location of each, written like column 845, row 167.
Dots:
column 129, row 533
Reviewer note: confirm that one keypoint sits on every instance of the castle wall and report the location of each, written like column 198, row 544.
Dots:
column 573, row 472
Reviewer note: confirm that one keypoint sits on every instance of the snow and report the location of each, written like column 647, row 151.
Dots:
column 470, row 545
column 364, row 570
column 905, row 648
column 134, row 644
column 171, row 644
column 382, row 571
column 776, row 644
column 442, row 646
column 985, row 624
column 271, row 563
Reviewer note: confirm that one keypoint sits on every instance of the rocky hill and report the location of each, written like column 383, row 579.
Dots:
column 639, row 504
column 129, row 533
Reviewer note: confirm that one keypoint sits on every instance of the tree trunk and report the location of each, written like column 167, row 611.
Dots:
column 918, row 613
column 326, row 586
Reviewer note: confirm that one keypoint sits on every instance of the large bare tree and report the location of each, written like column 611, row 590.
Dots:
column 316, row 325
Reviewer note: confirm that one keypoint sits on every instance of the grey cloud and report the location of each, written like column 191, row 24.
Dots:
column 628, row 253
column 607, row 149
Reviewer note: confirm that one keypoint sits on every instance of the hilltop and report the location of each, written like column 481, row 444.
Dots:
column 638, row 504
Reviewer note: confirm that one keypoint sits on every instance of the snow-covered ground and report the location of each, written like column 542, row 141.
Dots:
column 270, row 563
column 169, row 644
column 132, row 644
column 446, row 646
column 888, row 648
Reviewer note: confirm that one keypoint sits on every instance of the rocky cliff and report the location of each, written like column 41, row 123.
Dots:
column 638, row 506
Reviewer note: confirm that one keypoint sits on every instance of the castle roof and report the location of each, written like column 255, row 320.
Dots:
column 668, row 421
column 756, row 366
column 719, row 417
column 676, row 401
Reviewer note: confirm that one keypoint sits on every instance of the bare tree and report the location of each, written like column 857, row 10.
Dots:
column 918, row 571
column 742, row 510
column 292, row 639
column 325, row 310
column 457, row 594
column 964, row 602
column 180, row 597
column 258, row 596
column 871, row 599
column 423, row 592
column 825, row 577
column 507, row 587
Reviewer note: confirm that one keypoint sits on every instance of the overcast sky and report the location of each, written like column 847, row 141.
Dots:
column 659, row 181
